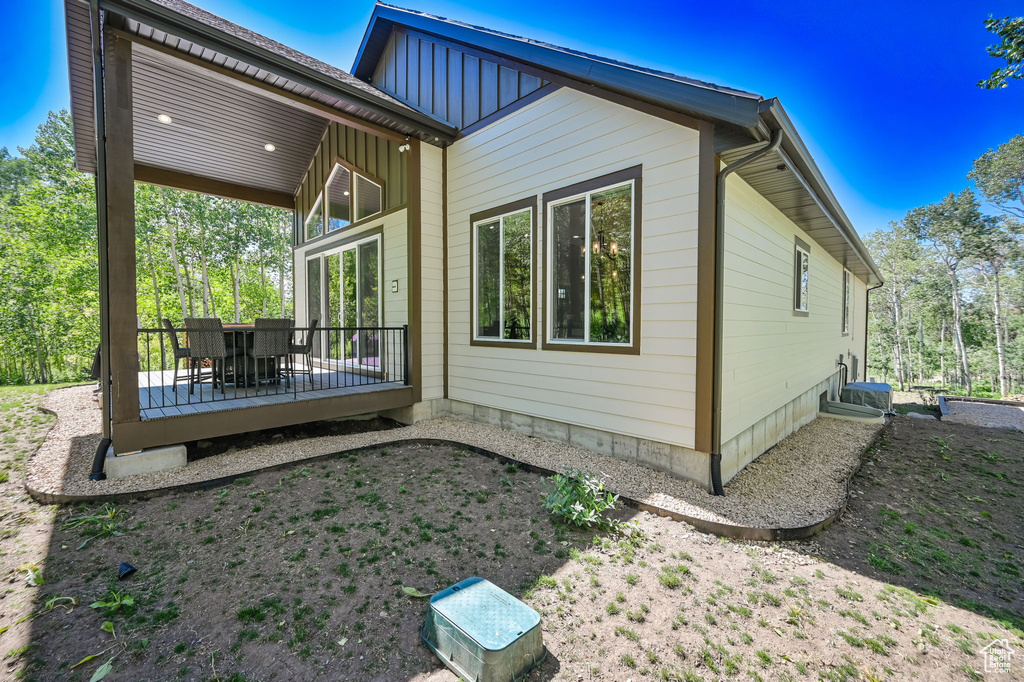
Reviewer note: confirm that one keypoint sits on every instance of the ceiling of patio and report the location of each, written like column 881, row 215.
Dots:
column 219, row 127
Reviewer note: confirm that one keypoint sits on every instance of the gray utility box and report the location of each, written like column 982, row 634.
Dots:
column 868, row 394
column 483, row 633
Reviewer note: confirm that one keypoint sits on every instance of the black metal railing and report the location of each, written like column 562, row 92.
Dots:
column 232, row 364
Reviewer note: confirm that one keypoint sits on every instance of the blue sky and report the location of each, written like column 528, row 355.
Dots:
column 883, row 92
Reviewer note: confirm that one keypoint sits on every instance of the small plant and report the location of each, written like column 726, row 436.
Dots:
column 580, row 499
column 117, row 601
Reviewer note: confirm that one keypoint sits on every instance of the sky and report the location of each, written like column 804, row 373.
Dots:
column 883, row 93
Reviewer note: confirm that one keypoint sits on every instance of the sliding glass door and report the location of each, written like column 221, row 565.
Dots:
column 350, row 299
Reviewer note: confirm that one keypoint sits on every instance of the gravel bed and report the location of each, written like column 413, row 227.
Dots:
column 798, row 483
column 985, row 414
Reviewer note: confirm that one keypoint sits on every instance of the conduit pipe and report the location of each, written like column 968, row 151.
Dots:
column 716, row 397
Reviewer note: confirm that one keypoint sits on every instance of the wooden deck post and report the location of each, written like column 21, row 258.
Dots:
column 120, row 216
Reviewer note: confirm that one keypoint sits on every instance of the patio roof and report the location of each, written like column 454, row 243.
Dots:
column 228, row 93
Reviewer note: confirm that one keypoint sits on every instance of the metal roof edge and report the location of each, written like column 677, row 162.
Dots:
column 798, row 155
column 175, row 23
column 691, row 97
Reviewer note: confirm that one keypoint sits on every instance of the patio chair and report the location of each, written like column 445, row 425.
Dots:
column 206, row 342
column 305, row 349
column 270, row 341
column 180, row 352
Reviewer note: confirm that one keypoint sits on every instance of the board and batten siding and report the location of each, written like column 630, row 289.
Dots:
column 377, row 157
column 770, row 355
column 561, row 139
column 446, row 81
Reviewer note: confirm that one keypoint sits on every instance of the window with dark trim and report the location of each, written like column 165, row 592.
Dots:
column 801, row 278
column 347, row 197
column 847, row 300
column 592, row 273
column 502, row 272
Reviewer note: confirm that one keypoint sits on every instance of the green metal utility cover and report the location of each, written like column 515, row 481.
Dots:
column 483, row 633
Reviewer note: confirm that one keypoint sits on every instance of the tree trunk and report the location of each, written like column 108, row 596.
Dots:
column 958, row 334
column 280, row 286
column 897, row 348
column 234, row 279
column 263, row 286
column 156, row 283
column 191, row 293
column 177, row 270
column 1000, row 352
column 205, row 282
column 942, row 355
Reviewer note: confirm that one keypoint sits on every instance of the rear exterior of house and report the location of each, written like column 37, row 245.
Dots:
column 584, row 251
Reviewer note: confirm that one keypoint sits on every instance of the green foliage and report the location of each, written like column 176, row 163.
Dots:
column 192, row 251
column 1010, row 30
column 579, row 498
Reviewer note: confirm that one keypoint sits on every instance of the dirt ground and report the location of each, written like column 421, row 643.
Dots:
column 298, row 575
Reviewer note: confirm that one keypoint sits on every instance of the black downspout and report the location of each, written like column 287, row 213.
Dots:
column 716, row 411
column 867, row 318
column 101, row 236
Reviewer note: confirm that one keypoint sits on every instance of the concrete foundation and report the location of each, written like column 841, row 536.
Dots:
column 671, row 459
column 145, row 462
column 753, row 441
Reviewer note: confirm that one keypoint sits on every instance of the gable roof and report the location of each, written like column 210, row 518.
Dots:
column 686, row 95
column 788, row 178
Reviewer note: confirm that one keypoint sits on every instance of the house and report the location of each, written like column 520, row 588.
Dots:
column 575, row 248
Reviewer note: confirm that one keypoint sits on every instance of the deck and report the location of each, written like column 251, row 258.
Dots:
column 158, row 398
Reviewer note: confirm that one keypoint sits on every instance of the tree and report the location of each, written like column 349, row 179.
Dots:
column 999, row 176
column 953, row 229
column 1011, row 48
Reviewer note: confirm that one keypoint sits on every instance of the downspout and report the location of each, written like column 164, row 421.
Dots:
column 716, row 397
column 101, row 235
column 867, row 315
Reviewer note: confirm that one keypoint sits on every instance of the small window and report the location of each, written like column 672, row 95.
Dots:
column 801, row 278
column 348, row 197
column 503, row 271
column 339, row 199
column 315, row 220
column 590, row 273
column 847, row 300
column 368, row 198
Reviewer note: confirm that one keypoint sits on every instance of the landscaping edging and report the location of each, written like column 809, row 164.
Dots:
column 736, row 532
column 944, row 407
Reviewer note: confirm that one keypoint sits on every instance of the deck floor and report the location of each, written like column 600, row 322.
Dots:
column 158, row 397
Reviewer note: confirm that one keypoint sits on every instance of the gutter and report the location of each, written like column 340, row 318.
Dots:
column 716, row 397
column 174, row 23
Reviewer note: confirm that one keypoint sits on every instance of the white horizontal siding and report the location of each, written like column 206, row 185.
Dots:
column 565, row 138
column 770, row 355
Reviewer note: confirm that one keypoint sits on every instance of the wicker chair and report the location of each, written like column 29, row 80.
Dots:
column 206, row 342
column 305, row 349
column 270, row 341
column 180, row 352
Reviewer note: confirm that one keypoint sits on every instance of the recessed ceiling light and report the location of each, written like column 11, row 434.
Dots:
column 346, row 193
column 164, row 118
column 269, row 147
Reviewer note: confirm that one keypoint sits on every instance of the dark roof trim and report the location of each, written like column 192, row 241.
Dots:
column 688, row 96
column 234, row 45
column 795, row 154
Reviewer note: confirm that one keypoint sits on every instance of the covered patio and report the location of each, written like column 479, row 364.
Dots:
column 181, row 98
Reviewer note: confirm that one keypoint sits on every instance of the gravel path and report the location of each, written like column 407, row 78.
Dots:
column 985, row 414
column 798, row 483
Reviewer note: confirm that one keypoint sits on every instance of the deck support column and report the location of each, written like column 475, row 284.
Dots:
column 120, row 233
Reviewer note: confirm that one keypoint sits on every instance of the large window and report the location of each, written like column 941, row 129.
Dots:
column 847, row 300
column 592, row 265
column 348, row 197
column 801, row 277
column 503, row 273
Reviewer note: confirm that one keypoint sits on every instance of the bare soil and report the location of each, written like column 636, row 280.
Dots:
column 297, row 575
